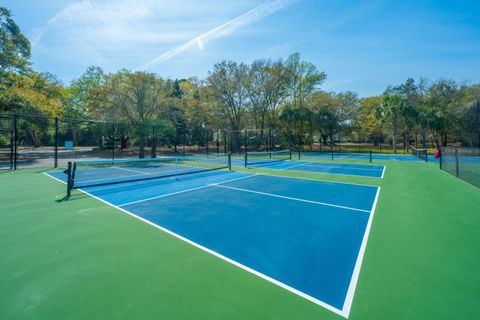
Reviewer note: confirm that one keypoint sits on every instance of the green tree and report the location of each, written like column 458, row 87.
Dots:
column 228, row 83
column 14, row 46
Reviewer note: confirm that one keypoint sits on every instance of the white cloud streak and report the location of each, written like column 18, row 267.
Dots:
column 256, row 14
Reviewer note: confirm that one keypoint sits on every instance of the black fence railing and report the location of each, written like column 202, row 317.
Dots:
column 463, row 163
column 40, row 141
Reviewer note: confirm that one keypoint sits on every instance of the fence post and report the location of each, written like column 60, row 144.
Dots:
column 113, row 140
column 245, row 141
column 225, row 141
column 153, row 152
column 55, row 164
column 206, row 137
column 371, row 156
column 456, row 163
column 15, row 140
column 11, row 149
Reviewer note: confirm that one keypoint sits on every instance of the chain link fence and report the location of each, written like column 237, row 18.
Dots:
column 38, row 141
column 463, row 163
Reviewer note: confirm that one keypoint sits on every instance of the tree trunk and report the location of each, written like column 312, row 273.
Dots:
column 141, row 147
column 424, row 137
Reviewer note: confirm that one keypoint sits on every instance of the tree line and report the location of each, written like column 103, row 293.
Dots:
column 285, row 96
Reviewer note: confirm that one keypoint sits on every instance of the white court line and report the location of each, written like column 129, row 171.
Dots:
column 298, row 165
column 347, row 305
column 125, row 169
column 46, row 173
column 383, row 172
column 182, row 191
column 339, row 166
column 314, row 164
column 316, row 180
column 291, row 198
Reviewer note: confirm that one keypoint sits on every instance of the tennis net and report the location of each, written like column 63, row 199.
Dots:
column 103, row 172
column 252, row 158
column 421, row 154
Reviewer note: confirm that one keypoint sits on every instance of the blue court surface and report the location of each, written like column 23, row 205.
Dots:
column 306, row 236
column 361, row 156
column 376, row 171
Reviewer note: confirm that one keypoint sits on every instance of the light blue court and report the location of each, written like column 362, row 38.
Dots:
column 306, row 236
column 360, row 156
column 376, row 171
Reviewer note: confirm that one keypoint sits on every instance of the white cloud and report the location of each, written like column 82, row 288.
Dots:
column 101, row 30
column 256, row 14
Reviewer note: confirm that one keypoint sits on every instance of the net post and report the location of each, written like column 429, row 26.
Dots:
column 299, row 154
column 69, row 178
column 246, row 159
column 440, row 158
column 371, row 157
column 55, row 162
column 290, row 154
column 229, row 161
column 426, row 155
column 331, row 149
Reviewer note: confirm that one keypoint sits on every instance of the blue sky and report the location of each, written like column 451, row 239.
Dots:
column 363, row 46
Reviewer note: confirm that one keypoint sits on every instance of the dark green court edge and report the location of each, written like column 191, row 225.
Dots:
column 82, row 259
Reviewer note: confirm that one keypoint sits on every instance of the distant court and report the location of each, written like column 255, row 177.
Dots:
column 375, row 171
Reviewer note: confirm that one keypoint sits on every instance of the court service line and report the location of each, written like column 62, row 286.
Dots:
column 291, row 198
column 298, row 165
column 182, row 191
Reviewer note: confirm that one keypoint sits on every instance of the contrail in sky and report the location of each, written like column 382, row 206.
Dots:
column 256, row 14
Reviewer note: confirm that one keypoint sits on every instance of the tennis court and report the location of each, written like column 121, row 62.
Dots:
column 303, row 235
column 361, row 156
column 376, row 171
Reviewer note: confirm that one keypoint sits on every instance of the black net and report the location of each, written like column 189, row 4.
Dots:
column 336, row 154
column 463, row 163
column 102, row 172
column 252, row 158
column 421, row 154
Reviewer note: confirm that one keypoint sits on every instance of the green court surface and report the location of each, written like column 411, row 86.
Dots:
column 81, row 259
